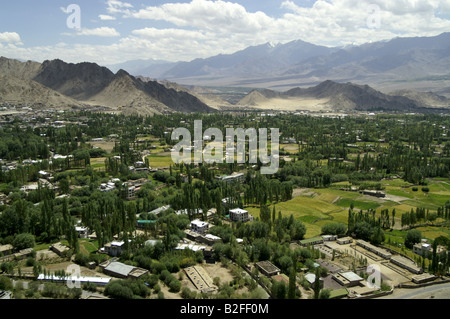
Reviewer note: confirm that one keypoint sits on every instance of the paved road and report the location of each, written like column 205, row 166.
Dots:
column 441, row 291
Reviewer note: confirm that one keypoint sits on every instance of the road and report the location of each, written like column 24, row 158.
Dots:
column 441, row 291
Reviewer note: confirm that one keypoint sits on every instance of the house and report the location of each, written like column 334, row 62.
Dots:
column 240, row 215
column 120, row 270
column 373, row 193
column 199, row 226
column 59, row 248
column 267, row 268
column 233, row 178
column 6, row 250
column 344, row 240
column 83, row 232
column 114, row 248
column 131, row 191
column 329, row 237
column 160, row 210
column 44, row 174
column 211, row 239
column 426, row 250
column 311, row 279
column 347, row 279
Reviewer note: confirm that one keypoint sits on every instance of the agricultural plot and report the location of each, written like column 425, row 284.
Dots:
column 317, row 207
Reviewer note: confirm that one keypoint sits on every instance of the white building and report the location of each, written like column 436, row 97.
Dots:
column 199, row 227
column 240, row 215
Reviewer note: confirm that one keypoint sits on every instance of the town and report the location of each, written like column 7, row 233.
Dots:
column 359, row 207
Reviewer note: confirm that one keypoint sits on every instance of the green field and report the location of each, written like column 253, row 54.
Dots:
column 323, row 206
column 158, row 161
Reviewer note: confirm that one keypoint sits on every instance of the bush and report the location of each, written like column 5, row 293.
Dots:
column 117, row 291
column 5, row 283
column 412, row 237
column 425, row 189
column 334, row 229
column 175, row 285
column 23, row 241
column 81, row 259
column 415, row 189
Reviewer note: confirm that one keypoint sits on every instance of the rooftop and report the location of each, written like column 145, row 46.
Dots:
column 238, row 211
column 120, row 268
column 351, row 276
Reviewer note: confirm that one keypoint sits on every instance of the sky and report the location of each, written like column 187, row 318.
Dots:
column 111, row 31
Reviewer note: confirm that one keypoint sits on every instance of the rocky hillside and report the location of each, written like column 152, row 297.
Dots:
column 92, row 85
column 30, row 93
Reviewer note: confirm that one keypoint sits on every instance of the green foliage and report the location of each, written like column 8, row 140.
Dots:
column 334, row 229
column 127, row 289
column 412, row 237
column 23, row 241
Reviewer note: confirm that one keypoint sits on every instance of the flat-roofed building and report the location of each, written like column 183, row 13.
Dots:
column 329, row 237
column 423, row 278
column 83, row 232
column 59, row 249
column 312, row 241
column 199, row 226
column 160, row 210
column 114, row 248
column 344, row 240
column 267, row 268
column 6, row 250
column 120, row 270
column 377, row 250
column 407, row 264
column 347, row 279
column 426, row 249
column 240, row 215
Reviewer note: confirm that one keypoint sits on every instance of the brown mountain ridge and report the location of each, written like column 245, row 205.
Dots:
column 91, row 85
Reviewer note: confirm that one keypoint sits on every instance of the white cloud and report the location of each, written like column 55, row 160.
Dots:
column 207, row 15
column 10, row 37
column 106, row 17
column 100, row 32
column 115, row 6
column 203, row 28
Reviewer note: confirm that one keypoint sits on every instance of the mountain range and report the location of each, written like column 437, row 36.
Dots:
column 402, row 74
column 344, row 97
column 399, row 63
column 60, row 84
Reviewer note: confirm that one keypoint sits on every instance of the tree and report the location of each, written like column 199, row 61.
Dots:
column 334, row 229
column 23, row 241
column 316, row 285
column 412, row 237
column 64, row 185
column 324, row 294
column 377, row 236
column 265, row 214
column 292, row 284
column 279, row 290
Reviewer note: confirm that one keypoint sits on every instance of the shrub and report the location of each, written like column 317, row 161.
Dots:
column 23, row 241
column 175, row 285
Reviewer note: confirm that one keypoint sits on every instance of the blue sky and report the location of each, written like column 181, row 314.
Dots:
column 113, row 31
